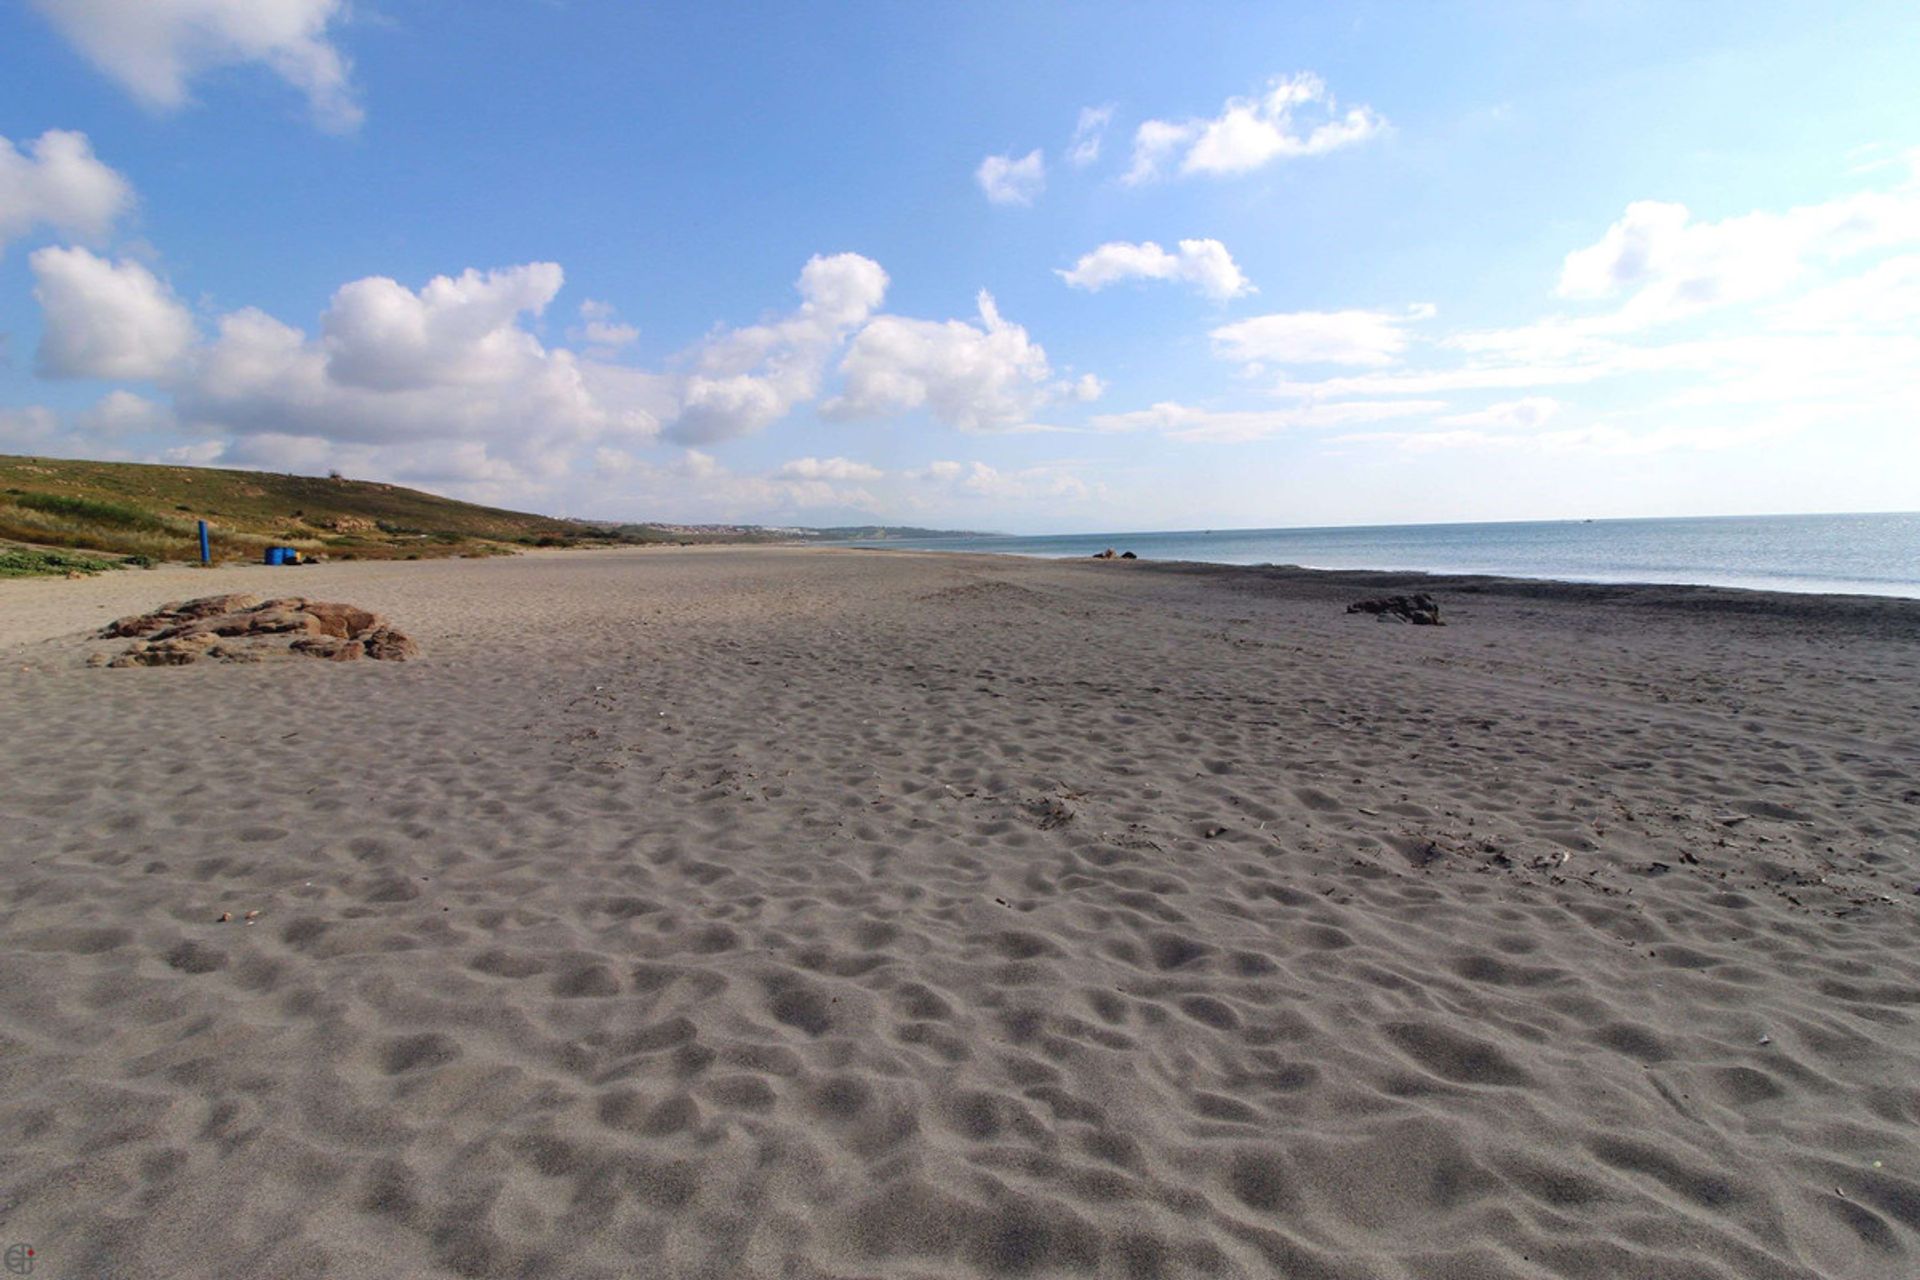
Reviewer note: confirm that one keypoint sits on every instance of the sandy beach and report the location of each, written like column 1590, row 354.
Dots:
column 809, row 913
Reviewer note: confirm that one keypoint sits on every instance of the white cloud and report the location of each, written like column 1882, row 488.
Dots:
column 1250, row 133
column 447, row 384
column 154, row 48
column 1729, row 334
column 444, row 385
column 1885, row 297
column 201, row 453
column 1010, row 181
column 1318, row 337
column 698, row 487
column 1184, row 422
column 28, row 429
column 747, row 379
column 826, row 469
column 393, row 366
column 470, row 468
column 988, row 377
column 1205, row 264
column 1604, row 439
column 94, row 432
column 57, row 181
column 1084, row 149
column 609, row 335
column 1670, row 266
column 601, row 329
column 1086, row 388
column 1051, row 482
column 1512, row 415
column 106, row 319
column 122, row 413
column 457, row 330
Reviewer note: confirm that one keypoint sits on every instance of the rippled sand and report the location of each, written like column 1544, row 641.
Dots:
column 803, row 913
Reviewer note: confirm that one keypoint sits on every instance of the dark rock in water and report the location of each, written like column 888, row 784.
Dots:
column 1421, row 609
column 1128, row 555
column 237, row 628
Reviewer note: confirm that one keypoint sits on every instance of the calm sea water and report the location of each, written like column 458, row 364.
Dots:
column 1858, row 554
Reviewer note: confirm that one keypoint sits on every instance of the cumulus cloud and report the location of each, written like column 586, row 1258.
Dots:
column 106, row 319
column 456, row 330
column 1088, row 134
column 1318, row 337
column 395, row 365
column 1204, row 264
column 985, row 377
column 449, row 384
column 443, row 385
column 1010, row 181
column 155, row 48
column 57, row 181
column 1295, row 117
column 746, row 379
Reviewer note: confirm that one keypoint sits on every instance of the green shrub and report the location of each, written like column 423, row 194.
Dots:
column 91, row 510
column 25, row 562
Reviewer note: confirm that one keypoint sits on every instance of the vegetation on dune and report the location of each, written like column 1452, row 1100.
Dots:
column 91, row 511
column 30, row 562
column 152, row 512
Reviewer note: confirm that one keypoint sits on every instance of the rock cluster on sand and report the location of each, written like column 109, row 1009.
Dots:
column 1421, row 610
column 241, row 628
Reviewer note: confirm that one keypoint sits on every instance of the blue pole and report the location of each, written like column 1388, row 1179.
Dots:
column 206, row 550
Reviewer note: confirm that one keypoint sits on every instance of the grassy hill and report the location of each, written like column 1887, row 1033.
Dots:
column 58, row 515
column 150, row 513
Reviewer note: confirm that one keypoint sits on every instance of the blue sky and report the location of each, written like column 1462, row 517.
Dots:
column 1019, row 267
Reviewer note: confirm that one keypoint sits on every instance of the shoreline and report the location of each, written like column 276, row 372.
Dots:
column 1869, row 610
column 1903, row 591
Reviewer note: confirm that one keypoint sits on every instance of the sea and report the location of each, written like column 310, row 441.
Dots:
column 1843, row 554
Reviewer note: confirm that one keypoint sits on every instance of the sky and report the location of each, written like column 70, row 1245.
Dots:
column 1012, row 267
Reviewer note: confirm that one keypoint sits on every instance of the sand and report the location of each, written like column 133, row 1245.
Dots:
column 811, row 913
